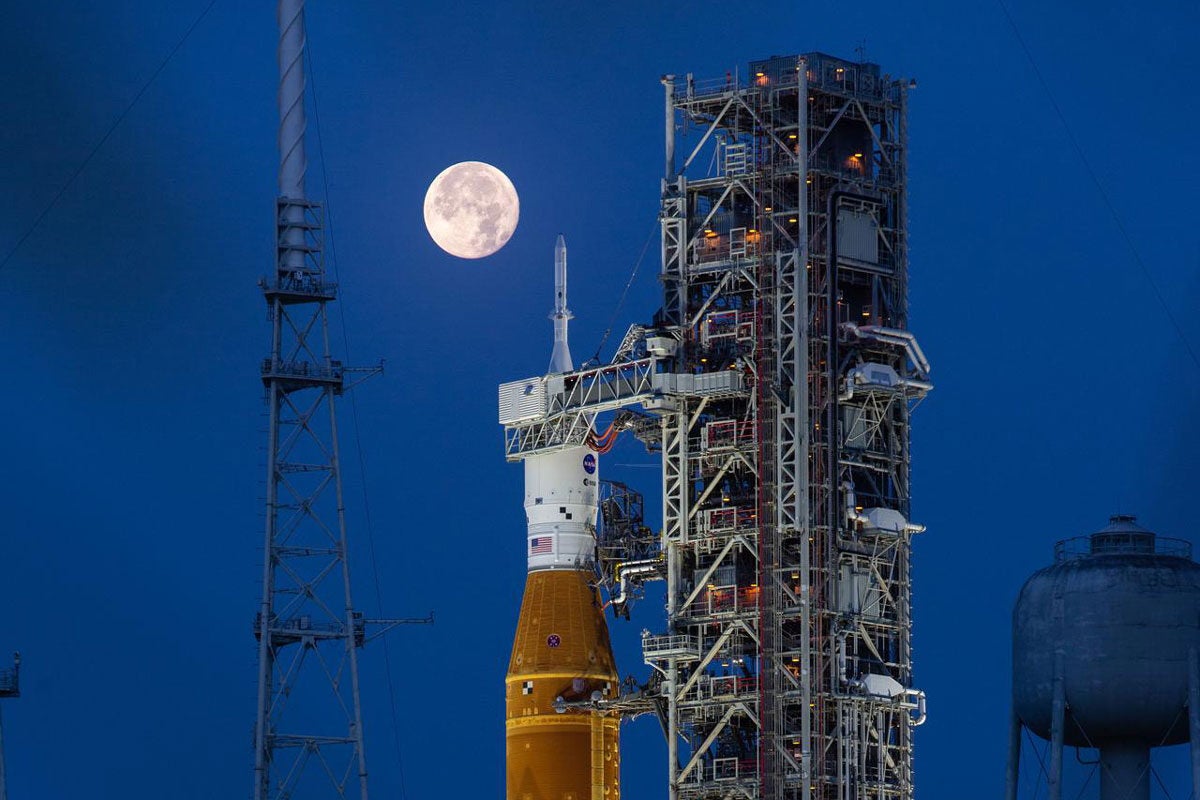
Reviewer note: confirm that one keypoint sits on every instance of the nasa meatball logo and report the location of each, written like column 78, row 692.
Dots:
column 553, row 640
column 589, row 463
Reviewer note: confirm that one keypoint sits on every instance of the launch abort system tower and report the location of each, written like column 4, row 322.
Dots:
column 782, row 373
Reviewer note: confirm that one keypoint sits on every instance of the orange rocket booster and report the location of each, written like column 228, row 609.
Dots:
column 561, row 652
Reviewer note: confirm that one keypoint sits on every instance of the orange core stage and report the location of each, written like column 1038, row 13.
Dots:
column 561, row 650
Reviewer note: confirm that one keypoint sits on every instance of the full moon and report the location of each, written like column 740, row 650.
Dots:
column 471, row 209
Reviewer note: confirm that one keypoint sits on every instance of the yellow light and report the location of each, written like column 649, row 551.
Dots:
column 858, row 155
column 768, row 208
column 759, row 74
column 792, row 219
column 791, row 136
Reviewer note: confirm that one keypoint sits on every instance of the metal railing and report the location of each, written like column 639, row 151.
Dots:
column 1130, row 543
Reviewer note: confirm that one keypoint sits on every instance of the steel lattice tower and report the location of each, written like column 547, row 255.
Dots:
column 308, row 737
column 787, row 664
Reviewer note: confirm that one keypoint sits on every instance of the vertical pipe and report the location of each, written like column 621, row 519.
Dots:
column 1125, row 770
column 292, row 123
column 668, row 82
column 1057, row 724
column 804, row 446
column 1194, row 717
column 1013, row 773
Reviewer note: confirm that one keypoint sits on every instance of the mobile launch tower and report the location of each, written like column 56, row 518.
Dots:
column 777, row 381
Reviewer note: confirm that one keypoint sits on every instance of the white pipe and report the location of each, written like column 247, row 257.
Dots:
column 852, row 513
column 624, row 571
column 292, row 123
column 914, row 349
column 917, row 703
column 897, row 336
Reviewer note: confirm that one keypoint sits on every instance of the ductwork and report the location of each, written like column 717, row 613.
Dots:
column 894, row 336
column 877, row 520
column 624, row 573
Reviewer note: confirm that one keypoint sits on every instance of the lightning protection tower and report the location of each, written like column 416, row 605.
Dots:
column 308, row 735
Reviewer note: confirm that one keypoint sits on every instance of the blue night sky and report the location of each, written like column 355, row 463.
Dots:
column 132, row 331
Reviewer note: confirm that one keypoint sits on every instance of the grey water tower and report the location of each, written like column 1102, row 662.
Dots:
column 1105, row 647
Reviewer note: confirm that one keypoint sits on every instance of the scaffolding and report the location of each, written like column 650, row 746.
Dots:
column 786, row 508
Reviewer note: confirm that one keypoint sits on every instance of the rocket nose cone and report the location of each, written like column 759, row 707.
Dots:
column 560, row 243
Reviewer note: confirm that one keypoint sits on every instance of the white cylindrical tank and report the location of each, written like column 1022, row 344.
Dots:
column 560, row 508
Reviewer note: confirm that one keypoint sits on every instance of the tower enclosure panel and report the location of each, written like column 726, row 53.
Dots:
column 786, row 668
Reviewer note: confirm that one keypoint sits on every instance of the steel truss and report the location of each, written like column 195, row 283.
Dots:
column 787, row 661
column 309, row 728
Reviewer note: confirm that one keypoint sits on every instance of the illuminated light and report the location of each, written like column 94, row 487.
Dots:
column 858, row 155
column 704, row 361
column 759, row 74
column 792, row 219
column 752, row 230
column 808, row 180
column 768, row 208
column 791, row 136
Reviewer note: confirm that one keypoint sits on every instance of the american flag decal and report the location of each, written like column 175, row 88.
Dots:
column 541, row 545
column 527, row 687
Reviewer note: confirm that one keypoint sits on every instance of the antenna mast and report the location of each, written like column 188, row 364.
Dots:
column 308, row 735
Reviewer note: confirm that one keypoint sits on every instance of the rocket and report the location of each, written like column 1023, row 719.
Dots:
column 561, row 652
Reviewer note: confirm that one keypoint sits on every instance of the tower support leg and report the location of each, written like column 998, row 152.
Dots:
column 1058, row 711
column 1014, row 757
column 1125, row 770
column 1194, row 717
